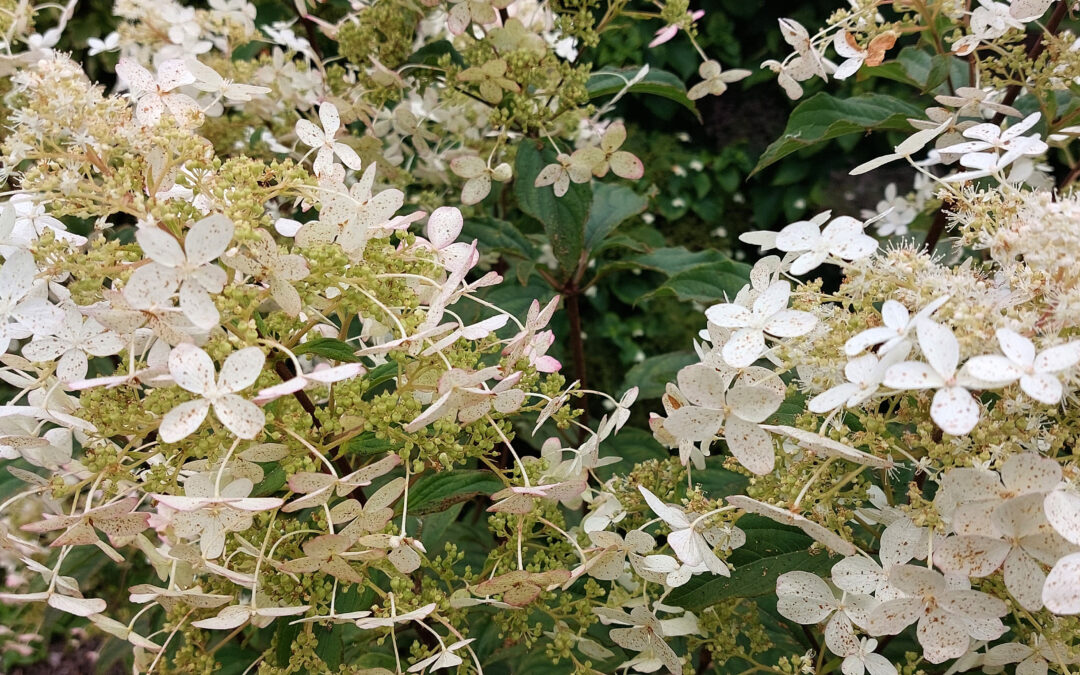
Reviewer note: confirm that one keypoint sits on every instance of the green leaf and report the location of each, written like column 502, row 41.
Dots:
column 770, row 551
column 499, row 236
column 270, row 484
column 429, row 54
column 653, row 374
column 367, row 444
column 610, row 81
column 920, row 68
column 611, row 205
column 330, row 348
column 438, row 491
column 676, row 259
column 634, row 446
column 823, row 117
column 563, row 217
column 712, row 282
column 381, row 374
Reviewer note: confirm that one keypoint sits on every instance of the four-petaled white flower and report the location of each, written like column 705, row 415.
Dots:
column 1061, row 594
column 444, row 658
column 864, row 375
column 949, row 616
column 1037, row 372
column 756, row 395
column 323, row 140
column 714, row 80
column 769, row 314
column 266, row 263
column 686, row 538
column 209, row 80
column 153, row 96
column 75, row 339
column 645, row 636
column 993, row 149
column 191, row 268
column 23, row 312
column 843, row 238
column 193, row 369
column 805, row 598
column 953, row 409
column 898, row 324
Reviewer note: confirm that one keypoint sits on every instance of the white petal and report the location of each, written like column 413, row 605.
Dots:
column 1058, row 358
column 208, row 238
column 912, row 375
column 160, row 246
column 1043, row 387
column 1016, row 347
column 992, row 369
column 243, row 418
column 241, row 369
column 191, row 368
column 955, row 410
column 751, row 445
column 790, row 323
column 743, row 347
column 1061, row 594
column 1063, row 512
column 728, row 315
column 183, row 420
column 939, row 346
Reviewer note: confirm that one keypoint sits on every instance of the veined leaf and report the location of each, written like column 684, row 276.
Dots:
column 611, row 205
column 437, row 491
column 610, row 81
column 330, row 348
column 823, row 117
column 563, row 217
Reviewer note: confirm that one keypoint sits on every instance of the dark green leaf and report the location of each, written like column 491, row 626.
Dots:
column 563, row 217
column 367, row 444
column 610, row 81
column 429, row 54
column 823, row 117
column 611, row 205
column 770, row 551
column 330, row 348
column 653, row 374
column 270, row 484
column 498, row 236
column 634, row 446
column 437, row 491
column 712, row 282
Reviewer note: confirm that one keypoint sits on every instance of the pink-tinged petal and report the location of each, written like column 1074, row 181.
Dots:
column 183, row 420
column 1043, row 387
column 693, row 423
column 444, row 226
column 955, row 410
column 627, row 165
